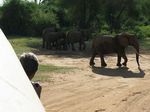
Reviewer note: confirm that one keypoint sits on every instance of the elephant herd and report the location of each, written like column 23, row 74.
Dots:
column 101, row 44
column 62, row 40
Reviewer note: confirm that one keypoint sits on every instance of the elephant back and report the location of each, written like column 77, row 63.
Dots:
column 75, row 36
column 103, row 39
column 103, row 43
column 51, row 36
column 47, row 30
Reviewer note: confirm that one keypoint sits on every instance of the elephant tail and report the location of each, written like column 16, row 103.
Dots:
column 137, row 56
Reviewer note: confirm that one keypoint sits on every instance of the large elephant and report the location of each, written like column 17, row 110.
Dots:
column 108, row 44
column 46, row 32
column 77, row 37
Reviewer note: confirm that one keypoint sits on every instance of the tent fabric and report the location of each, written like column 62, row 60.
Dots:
column 16, row 92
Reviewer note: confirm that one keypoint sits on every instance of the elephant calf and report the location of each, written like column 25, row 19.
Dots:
column 106, row 44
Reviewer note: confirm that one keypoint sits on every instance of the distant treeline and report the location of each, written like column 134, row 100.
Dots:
column 21, row 17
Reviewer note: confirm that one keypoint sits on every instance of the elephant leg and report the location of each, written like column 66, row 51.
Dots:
column 103, row 63
column 53, row 44
column 43, row 43
column 47, row 45
column 57, row 46
column 65, row 47
column 92, row 59
column 68, row 45
column 125, row 60
column 80, row 45
column 72, row 45
column 84, row 46
column 118, row 60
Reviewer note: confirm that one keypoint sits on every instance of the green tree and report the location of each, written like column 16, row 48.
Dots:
column 57, row 8
column 82, row 12
column 21, row 17
column 42, row 18
column 118, row 12
column 16, row 17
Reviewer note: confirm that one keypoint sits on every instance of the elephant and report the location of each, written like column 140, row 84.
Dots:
column 87, row 33
column 107, row 44
column 55, row 39
column 77, row 37
column 45, row 32
column 62, row 44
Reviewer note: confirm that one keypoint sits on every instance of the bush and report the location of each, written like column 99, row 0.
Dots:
column 42, row 19
column 25, row 18
column 16, row 17
column 142, row 31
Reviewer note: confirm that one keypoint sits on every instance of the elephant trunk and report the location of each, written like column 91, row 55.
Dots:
column 134, row 42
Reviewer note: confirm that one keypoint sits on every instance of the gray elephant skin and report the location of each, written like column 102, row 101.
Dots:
column 45, row 33
column 78, row 37
column 54, row 39
column 107, row 44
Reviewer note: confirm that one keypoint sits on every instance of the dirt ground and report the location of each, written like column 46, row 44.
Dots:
column 96, row 89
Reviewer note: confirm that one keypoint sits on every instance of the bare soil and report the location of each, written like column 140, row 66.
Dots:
column 96, row 89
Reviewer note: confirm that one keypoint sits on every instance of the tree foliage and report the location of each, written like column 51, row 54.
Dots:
column 82, row 12
column 21, row 17
column 25, row 18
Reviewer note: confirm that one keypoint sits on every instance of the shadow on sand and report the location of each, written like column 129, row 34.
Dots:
column 122, row 71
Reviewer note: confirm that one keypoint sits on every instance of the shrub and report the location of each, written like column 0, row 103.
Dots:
column 42, row 19
column 25, row 18
column 16, row 17
column 142, row 31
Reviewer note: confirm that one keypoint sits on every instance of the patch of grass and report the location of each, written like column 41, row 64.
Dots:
column 55, row 69
column 145, row 44
column 43, row 74
column 42, row 78
column 31, row 44
column 25, row 44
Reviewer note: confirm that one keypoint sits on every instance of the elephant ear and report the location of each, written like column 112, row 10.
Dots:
column 123, row 39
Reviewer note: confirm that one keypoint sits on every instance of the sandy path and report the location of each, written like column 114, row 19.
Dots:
column 97, row 89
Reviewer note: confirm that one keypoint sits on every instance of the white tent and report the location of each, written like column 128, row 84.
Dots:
column 16, row 91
